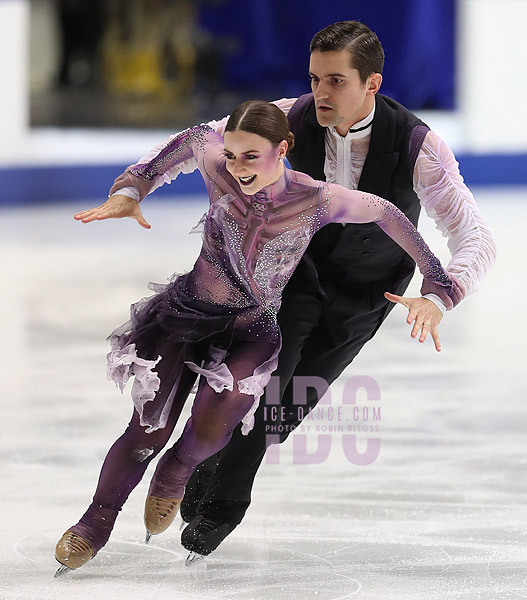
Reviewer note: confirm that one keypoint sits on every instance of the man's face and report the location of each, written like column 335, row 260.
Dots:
column 341, row 98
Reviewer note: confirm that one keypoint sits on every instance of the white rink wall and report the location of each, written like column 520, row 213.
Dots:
column 491, row 76
column 14, row 99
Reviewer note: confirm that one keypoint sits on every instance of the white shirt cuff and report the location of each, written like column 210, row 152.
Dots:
column 437, row 301
column 129, row 191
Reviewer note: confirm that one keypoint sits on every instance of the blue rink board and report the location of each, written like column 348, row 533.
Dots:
column 35, row 185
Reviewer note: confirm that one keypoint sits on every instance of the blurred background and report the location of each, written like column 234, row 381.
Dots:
column 88, row 87
column 167, row 63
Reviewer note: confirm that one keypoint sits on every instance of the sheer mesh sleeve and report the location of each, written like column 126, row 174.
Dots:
column 182, row 153
column 446, row 199
column 353, row 206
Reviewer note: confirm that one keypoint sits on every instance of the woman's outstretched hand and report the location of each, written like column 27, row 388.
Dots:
column 423, row 313
column 116, row 207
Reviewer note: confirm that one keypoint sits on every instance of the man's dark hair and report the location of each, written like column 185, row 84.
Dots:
column 366, row 53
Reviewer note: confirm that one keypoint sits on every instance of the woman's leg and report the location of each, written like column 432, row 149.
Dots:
column 210, row 427
column 126, row 463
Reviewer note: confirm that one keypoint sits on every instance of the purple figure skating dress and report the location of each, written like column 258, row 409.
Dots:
column 251, row 245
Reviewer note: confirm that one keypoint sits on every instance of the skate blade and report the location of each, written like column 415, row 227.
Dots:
column 193, row 558
column 61, row 570
column 148, row 537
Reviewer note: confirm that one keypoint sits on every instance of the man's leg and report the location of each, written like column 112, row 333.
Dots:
column 300, row 312
column 229, row 493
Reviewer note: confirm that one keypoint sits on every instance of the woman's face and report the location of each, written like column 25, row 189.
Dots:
column 252, row 160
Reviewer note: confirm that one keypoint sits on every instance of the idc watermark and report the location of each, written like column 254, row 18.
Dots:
column 352, row 424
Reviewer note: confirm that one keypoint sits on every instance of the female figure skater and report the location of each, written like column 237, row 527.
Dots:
column 219, row 320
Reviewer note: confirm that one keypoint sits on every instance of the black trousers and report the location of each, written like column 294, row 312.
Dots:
column 309, row 348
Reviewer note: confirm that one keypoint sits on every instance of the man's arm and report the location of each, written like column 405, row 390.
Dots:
column 446, row 199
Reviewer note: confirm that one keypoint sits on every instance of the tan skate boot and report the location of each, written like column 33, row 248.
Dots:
column 82, row 541
column 159, row 514
column 72, row 551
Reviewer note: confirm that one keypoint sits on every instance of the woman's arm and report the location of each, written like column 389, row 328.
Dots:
column 348, row 206
column 187, row 146
column 146, row 177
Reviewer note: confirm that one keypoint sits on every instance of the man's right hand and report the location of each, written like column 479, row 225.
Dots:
column 116, row 207
column 423, row 313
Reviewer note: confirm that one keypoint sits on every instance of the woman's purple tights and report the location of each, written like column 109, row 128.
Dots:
column 208, row 430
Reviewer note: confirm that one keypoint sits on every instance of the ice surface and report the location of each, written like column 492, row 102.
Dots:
column 440, row 513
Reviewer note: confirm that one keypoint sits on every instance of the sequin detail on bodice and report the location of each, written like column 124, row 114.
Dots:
column 251, row 246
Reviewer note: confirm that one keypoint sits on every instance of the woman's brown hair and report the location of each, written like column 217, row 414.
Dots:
column 264, row 119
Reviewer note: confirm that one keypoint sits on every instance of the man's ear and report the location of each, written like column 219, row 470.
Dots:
column 374, row 83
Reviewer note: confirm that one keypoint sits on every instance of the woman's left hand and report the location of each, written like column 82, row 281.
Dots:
column 423, row 313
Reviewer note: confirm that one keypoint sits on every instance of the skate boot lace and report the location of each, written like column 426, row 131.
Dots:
column 207, row 525
column 78, row 544
column 73, row 551
column 165, row 506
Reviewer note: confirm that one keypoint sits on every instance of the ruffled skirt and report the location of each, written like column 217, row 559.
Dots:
column 174, row 327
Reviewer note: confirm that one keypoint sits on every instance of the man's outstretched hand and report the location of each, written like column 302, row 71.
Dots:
column 423, row 313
